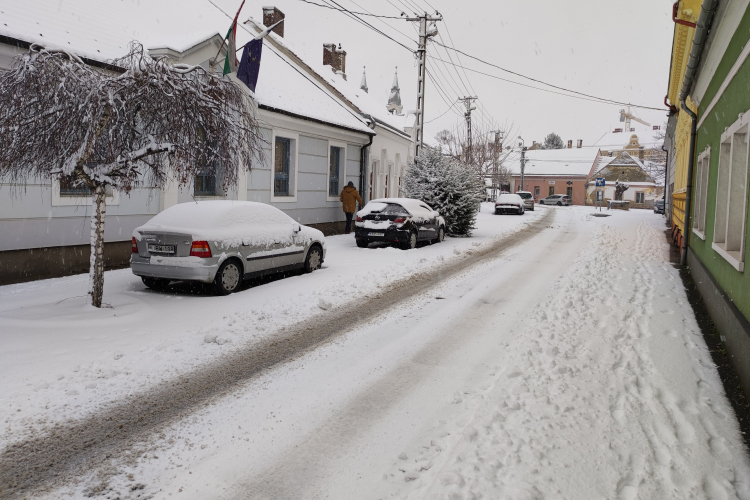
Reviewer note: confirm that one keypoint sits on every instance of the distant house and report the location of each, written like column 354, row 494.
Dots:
column 642, row 191
column 319, row 133
column 554, row 171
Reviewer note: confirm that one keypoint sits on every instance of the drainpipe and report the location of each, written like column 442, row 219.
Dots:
column 363, row 156
column 680, row 21
column 699, row 40
column 666, row 178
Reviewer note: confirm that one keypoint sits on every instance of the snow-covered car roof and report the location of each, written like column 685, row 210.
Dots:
column 415, row 207
column 228, row 222
column 509, row 198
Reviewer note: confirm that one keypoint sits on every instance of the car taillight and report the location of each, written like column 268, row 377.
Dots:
column 359, row 219
column 135, row 245
column 399, row 220
column 200, row 249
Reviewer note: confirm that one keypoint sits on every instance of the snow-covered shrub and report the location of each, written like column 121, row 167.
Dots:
column 449, row 186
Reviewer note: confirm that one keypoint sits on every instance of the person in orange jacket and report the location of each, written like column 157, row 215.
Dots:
column 349, row 198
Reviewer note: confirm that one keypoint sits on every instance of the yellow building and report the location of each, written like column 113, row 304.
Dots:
column 687, row 12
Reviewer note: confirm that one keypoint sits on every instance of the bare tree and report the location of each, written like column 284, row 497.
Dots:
column 144, row 123
column 486, row 155
column 655, row 159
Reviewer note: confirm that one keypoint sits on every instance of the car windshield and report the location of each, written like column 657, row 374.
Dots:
column 525, row 196
column 393, row 209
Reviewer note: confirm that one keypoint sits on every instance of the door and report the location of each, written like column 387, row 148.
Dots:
column 570, row 192
column 276, row 246
column 551, row 191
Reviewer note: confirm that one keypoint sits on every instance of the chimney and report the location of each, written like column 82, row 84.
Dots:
column 273, row 15
column 335, row 58
column 580, row 143
column 570, row 144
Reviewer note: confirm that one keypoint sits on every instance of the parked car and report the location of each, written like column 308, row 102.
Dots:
column 659, row 206
column 528, row 199
column 404, row 221
column 222, row 243
column 510, row 203
column 556, row 199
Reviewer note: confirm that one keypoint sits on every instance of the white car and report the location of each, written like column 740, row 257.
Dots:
column 509, row 203
column 222, row 242
column 528, row 199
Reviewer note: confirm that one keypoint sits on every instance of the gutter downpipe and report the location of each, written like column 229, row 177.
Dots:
column 363, row 155
column 699, row 39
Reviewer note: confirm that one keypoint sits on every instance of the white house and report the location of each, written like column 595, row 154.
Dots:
column 317, row 138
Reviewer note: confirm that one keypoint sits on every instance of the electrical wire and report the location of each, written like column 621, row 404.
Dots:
column 359, row 13
column 443, row 114
column 365, row 23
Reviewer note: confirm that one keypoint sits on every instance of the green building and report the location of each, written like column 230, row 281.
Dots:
column 718, row 82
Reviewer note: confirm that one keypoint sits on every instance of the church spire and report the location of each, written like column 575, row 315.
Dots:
column 363, row 85
column 394, row 100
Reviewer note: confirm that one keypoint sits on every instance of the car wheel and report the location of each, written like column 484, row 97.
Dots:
column 541, row 202
column 411, row 242
column 497, row 212
column 440, row 235
column 559, row 203
column 228, row 278
column 314, row 259
column 363, row 243
column 158, row 284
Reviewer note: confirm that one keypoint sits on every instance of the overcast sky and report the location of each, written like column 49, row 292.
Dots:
column 616, row 50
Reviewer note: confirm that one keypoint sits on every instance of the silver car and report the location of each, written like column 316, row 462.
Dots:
column 528, row 199
column 222, row 243
column 556, row 199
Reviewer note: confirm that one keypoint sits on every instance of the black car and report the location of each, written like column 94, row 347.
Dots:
column 403, row 221
column 659, row 206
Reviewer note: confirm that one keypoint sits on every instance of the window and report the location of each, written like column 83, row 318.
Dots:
column 281, row 166
column 386, row 186
column 205, row 183
column 639, row 197
column 67, row 188
column 536, row 191
column 701, row 194
column 731, row 194
column 551, row 190
column 334, row 168
column 570, row 191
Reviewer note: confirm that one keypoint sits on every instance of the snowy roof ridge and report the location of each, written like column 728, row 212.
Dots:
column 567, row 162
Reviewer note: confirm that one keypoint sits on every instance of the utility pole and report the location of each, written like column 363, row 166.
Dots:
column 469, row 108
column 498, row 139
column 424, row 35
column 523, row 161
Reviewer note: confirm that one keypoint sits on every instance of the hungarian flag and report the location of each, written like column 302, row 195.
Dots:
column 230, row 61
column 250, row 63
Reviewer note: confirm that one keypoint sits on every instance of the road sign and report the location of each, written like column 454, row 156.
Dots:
column 600, row 182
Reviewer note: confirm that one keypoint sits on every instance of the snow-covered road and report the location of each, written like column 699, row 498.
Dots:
column 570, row 366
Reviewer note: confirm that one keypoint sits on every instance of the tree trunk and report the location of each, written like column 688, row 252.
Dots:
column 96, row 271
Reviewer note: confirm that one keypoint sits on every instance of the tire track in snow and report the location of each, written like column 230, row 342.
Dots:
column 116, row 432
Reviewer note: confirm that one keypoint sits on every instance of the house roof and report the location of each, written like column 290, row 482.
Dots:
column 619, row 140
column 575, row 162
column 624, row 168
column 85, row 27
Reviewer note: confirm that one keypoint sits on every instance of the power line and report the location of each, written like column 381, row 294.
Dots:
column 547, row 90
column 385, row 23
column 442, row 115
column 362, row 21
column 341, row 10
column 611, row 101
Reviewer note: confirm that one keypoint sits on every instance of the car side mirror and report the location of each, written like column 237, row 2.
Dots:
column 297, row 228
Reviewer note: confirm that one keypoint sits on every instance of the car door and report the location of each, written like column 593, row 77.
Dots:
column 428, row 228
column 275, row 245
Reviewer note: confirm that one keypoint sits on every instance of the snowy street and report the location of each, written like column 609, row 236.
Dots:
column 564, row 363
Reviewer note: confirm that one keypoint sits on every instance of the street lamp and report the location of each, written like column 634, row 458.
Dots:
column 523, row 159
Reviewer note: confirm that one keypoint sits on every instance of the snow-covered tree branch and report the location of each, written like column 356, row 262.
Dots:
column 143, row 122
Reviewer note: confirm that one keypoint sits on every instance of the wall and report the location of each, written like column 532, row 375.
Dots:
column 389, row 156
column 543, row 182
column 735, row 100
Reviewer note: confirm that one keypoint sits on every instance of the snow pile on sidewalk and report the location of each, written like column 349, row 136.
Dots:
column 610, row 393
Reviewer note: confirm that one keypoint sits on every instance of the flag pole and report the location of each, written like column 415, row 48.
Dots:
column 263, row 33
column 234, row 23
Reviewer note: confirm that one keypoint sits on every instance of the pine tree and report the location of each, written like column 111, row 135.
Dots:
column 449, row 186
column 553, row 141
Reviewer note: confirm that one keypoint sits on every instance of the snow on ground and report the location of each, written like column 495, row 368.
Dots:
column 569, row 367
column 62, row 358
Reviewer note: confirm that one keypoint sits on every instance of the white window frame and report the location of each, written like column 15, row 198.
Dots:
column 643, row 197
column 731, row 193
column 294, row 137
column 701, row 193
column 342, row 169
column 112, row 199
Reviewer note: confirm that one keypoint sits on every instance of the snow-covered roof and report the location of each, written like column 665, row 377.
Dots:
column 102, row 29
column 348, row 88
column 554, row 162
column 619, row 140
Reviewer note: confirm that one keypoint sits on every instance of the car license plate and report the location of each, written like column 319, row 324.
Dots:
column 161, row 248
column 376, row 234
